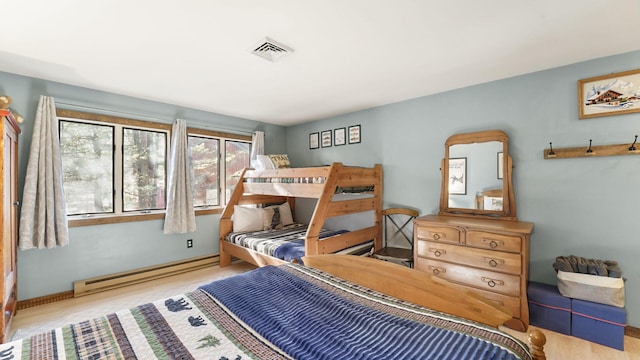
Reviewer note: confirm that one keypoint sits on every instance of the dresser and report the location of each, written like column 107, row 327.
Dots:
column 488, row 256
column 9, row 169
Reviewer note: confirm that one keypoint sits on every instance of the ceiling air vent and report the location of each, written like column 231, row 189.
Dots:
column 271, row 50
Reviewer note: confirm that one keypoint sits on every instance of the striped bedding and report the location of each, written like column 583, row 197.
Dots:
column 284, row 312
column 287, row 243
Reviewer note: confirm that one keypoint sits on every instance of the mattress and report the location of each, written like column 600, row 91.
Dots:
column 288, row 243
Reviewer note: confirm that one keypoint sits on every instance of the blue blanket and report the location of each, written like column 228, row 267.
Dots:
column 308, row 321
column 294, row 250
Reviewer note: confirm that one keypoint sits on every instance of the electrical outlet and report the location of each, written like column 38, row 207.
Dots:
column 189, row 243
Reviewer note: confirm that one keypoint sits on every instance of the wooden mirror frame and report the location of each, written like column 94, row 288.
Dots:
column 508, row 199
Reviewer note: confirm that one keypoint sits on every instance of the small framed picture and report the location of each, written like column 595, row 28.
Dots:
column 500, row 165
column 326, row 138
column 458, row 176
column 314, row 140
column 354, row 134
column 339, row 136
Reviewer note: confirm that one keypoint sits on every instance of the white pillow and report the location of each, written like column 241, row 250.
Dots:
column 285, row 213
column 247, row 219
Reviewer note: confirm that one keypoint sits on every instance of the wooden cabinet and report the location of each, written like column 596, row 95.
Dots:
column 9, row 168
column 487, row 256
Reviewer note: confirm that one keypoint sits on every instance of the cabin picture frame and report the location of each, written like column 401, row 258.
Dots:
column 611, row 94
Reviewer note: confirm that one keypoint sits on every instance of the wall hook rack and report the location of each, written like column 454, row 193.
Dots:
column 592, row 151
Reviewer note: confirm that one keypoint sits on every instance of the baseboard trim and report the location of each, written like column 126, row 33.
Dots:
column 117, row 280
column 113, row 281
column 631, row 331
column 42, row 300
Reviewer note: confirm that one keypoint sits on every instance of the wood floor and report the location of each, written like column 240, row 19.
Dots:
column 31, row 321
column 34, row 320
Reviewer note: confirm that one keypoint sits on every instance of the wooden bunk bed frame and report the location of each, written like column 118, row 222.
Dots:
column 277, row 186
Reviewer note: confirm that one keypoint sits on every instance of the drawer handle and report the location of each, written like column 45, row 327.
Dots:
column 437, row 270
column 492, row 282
column 438, row 252
column 493, row 243
column 436, row 236
column 493, row 262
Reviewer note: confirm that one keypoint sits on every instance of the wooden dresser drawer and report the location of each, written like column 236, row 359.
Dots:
column 481, row 279
column 485, row 259
column 437, row 233
column 494, row 241
column 511, row 304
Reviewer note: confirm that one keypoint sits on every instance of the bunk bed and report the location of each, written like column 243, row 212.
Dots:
column 283, row 186
column 334, row 307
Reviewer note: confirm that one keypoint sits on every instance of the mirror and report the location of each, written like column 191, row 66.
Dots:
column 476, row 176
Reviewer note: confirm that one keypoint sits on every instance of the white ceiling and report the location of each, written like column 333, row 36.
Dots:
column 349, row 54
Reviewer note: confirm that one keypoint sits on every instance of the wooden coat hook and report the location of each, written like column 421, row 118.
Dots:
column 592, row 151
column 633, row 147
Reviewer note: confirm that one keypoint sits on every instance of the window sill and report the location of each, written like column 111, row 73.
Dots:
column 78, row 221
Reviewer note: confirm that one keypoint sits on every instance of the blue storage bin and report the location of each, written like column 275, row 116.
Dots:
column 548, row 309
column 599, row 323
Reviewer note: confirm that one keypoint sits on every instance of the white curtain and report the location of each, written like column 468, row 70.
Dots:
column 180, row 216
column 43, row 218
column 257, row 147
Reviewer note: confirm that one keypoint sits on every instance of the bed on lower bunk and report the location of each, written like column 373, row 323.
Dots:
column 335, row 307
column 257, row 225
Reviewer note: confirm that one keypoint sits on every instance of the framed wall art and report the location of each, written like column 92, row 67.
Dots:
column 314, row 140
column 607, row 95
column 354, row 134
column 339, row 136
column 458, row 176
column 326, row 138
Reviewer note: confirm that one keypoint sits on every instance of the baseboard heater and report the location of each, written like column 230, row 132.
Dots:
column 113, row 281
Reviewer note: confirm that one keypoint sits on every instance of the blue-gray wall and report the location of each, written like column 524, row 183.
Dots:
column 582, row 206
column 105, row 249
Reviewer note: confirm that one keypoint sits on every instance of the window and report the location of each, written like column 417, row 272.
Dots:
column 204, row 162
column 205, row 151
column 87, row 166
column 114, row 166
column 238, row 154
column 144, row 158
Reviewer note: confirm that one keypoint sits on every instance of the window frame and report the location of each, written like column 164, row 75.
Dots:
column 132, row 216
